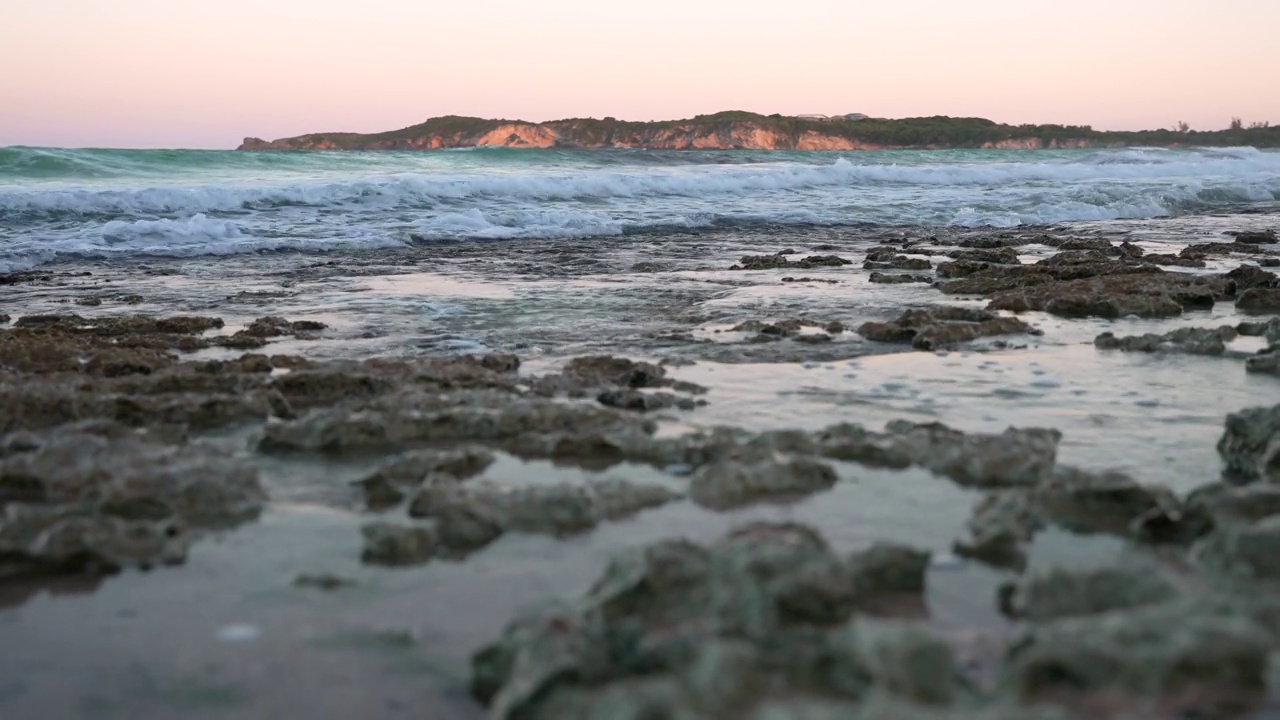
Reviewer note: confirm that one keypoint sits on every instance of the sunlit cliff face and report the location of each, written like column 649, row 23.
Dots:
column 154, row 73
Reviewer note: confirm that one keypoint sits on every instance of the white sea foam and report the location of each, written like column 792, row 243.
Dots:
column 188, row 237
column 1250, row 173
column 254, row 202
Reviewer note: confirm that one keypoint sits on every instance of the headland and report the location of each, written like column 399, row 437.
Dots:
column 736, row 130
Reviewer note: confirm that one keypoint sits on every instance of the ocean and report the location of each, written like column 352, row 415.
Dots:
column 60, row 204
column 369, row 309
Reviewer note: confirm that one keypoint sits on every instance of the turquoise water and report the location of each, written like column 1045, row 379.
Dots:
column 58, row 204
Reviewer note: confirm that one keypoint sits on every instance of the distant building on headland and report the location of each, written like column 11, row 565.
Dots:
column 833, row 118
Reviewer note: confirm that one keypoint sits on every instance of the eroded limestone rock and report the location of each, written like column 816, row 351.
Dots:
column 1250, row 549
column 722, row 631
column 1267, row 363
column 793, row 328
column 897, row 262
column 1222, row 249
column 409, row 420
column 1269, row 329
column 398, row 545
column 1014, row 457
column 1248, row 277
column 1095, row 244
column 780, row 261
column 1060, row 593
column 1099, row 502
column 588, row 376
column 49, row 539
column 973, row 278
column 1178, row 654
column 1192, row 341
column 888, row 569
column 1000, row 255
column 727, row 484
column 1170, row 260
column 939, row 326
column 390, row 484
column 1264, row 237
column 908, row 662
column 898, row 278
column 1005, row 521
column 473, row 515
column 1145, row 294
column 1259, row 300
column 1250, row 447
column 104, row 497
column 644, row 401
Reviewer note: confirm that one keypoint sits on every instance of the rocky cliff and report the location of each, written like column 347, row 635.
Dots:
column 749, row 131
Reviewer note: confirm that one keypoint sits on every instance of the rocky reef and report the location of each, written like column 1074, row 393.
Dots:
column 770, row 622
column 699, row 583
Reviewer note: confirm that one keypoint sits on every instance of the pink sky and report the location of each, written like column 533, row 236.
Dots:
column 174, row 73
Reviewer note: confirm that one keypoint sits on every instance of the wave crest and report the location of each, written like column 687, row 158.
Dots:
column 324, row 200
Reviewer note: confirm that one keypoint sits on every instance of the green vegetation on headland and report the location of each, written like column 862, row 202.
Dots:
column 745, row 130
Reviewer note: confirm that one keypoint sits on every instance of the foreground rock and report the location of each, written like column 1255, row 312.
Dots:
column 1269, row 329
column 527, row 427
column 1266, row 363
column 728, row 484
column 987, row 278
column 1148, row 295
column 898, row 278
column 115, row 340
column 1005, row 521
column 896, row 262
column 1099, row 502
column 103, row 497
column 1265, row 237
column 1202, row 250
column 1060, row 593
column 469, row 517
column 767, row 618
column 258, row 332
column 1192, row 341
column 997, row 255
column 930, row 328
column 391, row 484
column 1250, row 447
column 1016, row 457
column 1250, row 550
column 780, row 261
column 678, row 629
column 65, row 369
column 1259, row 300
column 397, row 545
column 645, row 401
column 1187, row 659
column 1250, row 277
column 102, row 347
column 597, row 374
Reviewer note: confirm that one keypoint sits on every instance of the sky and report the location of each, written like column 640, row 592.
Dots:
column 197, row 73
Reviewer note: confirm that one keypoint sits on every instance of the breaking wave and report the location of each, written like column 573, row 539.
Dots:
column 114, row 203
